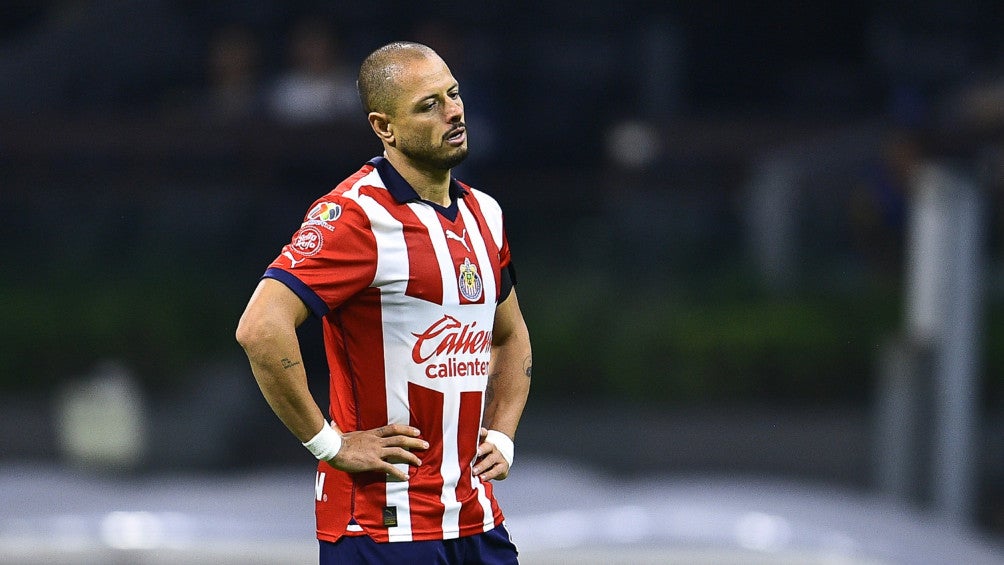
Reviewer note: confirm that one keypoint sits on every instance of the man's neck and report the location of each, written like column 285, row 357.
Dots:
column 433, row 186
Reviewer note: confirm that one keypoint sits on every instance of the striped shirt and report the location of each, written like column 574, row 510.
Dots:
column 406, row 290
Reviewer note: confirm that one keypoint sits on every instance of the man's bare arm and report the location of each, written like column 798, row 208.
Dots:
column 508, row 384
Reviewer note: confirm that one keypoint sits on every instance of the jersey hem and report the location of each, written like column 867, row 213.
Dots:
column 463, row 533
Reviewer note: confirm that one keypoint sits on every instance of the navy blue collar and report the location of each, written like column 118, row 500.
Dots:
column 404, row 193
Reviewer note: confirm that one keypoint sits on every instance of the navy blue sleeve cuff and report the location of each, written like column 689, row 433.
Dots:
column 508, row 282
column 299, row 288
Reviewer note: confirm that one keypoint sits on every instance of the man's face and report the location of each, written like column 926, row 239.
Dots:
column 428, row 117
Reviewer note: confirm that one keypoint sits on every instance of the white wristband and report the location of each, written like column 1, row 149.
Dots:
column 325, row 444
column 501, row 443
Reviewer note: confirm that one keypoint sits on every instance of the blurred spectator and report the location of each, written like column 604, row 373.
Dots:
column 980, row 106
column 233, row 91
column 634, row 200
column 318, row 86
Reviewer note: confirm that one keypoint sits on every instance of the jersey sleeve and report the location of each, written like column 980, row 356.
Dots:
column 330, row 258
column 504, row 257
column 507, row 276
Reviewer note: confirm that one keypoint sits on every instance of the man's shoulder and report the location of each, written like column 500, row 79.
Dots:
column 343, row 198
column 367, row 175
column 348, row 190
column 485, row 201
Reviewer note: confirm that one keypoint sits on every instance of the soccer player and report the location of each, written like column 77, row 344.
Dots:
column 428, row 353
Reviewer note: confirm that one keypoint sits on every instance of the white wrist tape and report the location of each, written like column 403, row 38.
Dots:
column 501, row 443
column 326, row 444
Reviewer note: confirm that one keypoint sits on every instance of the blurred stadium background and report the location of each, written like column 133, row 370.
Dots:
column 759, row 250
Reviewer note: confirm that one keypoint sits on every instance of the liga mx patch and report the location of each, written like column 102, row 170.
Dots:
column 325, row 212
column 390, row 516
column 469, row 281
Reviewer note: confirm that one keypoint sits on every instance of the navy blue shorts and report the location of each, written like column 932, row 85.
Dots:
column 490, row 548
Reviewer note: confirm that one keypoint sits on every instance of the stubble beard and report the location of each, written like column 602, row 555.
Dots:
column 454, row 159
column 433, row 159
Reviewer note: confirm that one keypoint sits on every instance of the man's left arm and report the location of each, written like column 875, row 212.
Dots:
column 508, row 387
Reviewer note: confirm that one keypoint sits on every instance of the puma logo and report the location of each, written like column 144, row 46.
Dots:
column 292, row 260
column 462, row 238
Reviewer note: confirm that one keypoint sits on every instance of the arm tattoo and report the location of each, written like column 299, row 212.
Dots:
column 490, row 387
column 287, row 364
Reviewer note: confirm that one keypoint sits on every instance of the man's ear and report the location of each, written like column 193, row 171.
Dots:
column 381, row 125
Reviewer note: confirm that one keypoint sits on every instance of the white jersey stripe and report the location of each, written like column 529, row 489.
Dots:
column 486, row 504
column 391, row 278
column 492, row 213
column 450, row 468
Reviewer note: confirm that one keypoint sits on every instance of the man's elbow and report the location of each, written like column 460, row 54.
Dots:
column 251, row 331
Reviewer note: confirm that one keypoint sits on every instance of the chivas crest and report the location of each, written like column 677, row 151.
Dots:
column 469, row 281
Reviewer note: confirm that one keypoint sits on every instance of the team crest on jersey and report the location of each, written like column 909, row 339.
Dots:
column 325, row 212
column 469, row 281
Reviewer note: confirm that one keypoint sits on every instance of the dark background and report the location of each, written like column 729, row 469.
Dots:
column 623, row 140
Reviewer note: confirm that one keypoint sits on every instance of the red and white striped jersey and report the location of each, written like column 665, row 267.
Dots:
column 407, row 292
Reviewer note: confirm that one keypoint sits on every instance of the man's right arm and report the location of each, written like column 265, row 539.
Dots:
column 267, row 332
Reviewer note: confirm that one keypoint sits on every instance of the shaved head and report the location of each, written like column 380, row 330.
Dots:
column 379, row 73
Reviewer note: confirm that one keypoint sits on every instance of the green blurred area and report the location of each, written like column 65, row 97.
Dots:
column 596, row 335
column 650, row 346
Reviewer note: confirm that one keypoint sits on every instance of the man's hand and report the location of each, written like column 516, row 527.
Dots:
column 490, row 464
column 378, row 449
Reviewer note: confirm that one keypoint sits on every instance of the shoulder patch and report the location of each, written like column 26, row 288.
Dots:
column 307, row 241
column 325, row 212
